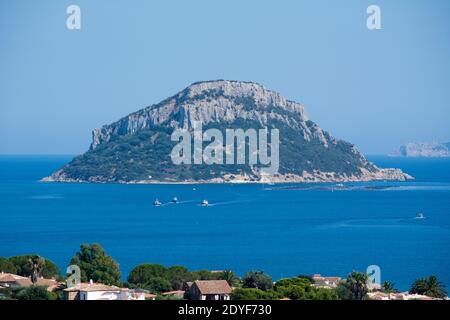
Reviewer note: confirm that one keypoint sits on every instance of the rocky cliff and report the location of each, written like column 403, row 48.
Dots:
column 136, row 148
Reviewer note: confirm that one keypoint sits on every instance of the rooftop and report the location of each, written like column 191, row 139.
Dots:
column 213, row 286
column 10, row 277
column 89, row 286
column 173, row 293
column 26, row 281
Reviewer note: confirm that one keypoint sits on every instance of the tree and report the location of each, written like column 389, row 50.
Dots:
column 95, row 264
column 325, row 294
column 388, row 287
column 158, row 285
column 302, row 282
column 292, row 292
column 293, row 288
column 258, row 280
column 177, row 276
column 302, row 289
column 253, row 294
column 354, row 287
column 307, row 277
column 23, row 267
column 430, row 286
column 7, row 266
column 230, row 277
column 36, row 265
column 203, row 275
column 35, row 293
column 142, row 274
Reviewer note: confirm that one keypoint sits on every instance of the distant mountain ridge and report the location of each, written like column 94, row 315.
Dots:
column 136, row 148
column 423, row 149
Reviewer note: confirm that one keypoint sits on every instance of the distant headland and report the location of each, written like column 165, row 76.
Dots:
column 423, row 149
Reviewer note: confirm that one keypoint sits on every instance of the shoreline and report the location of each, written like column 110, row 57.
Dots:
column 389, row 174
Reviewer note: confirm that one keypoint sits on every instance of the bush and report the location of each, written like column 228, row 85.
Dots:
column 35, row 293
column 324, row 294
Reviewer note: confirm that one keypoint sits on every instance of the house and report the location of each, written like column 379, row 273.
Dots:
column 100, row 291
column 325, row 282
column 136, row 294
column 210, row 290
column 150, row 296
column 176, row 294
column 9, row 280
column 378, row 295
column 187, row 286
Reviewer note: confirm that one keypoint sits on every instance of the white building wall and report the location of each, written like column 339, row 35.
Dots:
column 101, row 295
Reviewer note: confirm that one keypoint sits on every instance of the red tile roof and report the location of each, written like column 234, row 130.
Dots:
column 10, row 277
column 175, row 292
column 213, row 286
column 94, row 287
column 26, row 281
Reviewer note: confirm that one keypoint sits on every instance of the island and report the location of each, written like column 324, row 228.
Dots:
column 137, row 148
column 423, row 150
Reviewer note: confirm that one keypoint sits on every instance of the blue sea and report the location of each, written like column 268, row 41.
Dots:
column 284, row 230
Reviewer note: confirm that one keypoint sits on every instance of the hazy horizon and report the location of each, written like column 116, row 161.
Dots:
column 377, row 89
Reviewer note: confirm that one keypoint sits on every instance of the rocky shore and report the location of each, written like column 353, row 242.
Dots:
column 387, row 174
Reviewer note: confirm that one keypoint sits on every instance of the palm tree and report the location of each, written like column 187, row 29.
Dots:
column 388, row 287
column 230, row 277
column 430, row 286
column 356, row 285
column 35, row 264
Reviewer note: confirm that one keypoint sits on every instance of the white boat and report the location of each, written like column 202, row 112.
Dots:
column 204, row 203
column 175, row 200
column 157, row 203
column 420, row 216
column 340, row 185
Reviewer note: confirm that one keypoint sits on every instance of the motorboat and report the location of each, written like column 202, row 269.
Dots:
column 420, row 216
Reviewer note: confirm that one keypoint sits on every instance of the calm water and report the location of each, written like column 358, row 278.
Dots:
column 283, row 232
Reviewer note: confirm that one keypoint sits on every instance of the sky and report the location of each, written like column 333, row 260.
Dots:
column 375, row 88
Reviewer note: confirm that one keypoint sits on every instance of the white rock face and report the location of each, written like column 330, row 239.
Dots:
column 213, row 101
column 423, row 149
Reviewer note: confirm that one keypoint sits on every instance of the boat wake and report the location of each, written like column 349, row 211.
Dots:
column 46, row 197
